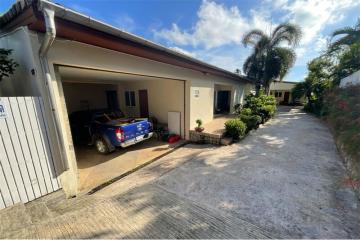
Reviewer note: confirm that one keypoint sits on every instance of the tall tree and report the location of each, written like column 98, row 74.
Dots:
column 271, row 59
column 349, row 36
column 7, row 65
column 317, row 81
column 348, row 63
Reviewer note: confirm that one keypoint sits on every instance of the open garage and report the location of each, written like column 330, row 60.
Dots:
column 160, row 100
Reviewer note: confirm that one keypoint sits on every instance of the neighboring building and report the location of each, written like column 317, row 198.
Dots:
column 75, row 63
column 281, row 90
column 353, row 79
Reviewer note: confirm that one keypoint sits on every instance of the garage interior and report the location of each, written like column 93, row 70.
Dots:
column 162, row 100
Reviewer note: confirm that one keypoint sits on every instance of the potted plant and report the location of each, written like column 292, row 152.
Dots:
column 199, row 127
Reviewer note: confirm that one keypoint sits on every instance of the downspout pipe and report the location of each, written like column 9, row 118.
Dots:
column 49, row 37
column 50, row 34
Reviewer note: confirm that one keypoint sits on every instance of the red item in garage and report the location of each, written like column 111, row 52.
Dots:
column 173, row 138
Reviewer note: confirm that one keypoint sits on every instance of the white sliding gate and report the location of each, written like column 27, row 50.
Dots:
column 27, row 169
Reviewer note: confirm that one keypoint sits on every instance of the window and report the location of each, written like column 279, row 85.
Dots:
column 278, row 94
column 130, row 98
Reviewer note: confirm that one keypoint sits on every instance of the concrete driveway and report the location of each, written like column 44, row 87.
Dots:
column 284, row 180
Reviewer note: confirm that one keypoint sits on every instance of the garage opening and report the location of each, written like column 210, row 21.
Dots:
column 102, row 106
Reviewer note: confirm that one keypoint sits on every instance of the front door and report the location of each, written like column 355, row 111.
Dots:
column 286, row 97
column 143, row 101
column 223, row 102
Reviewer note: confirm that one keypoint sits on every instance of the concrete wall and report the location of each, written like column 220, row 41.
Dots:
column 83, row 96
column 22, row 82
column 29, row 80
column 163, row 96
column 351, row 80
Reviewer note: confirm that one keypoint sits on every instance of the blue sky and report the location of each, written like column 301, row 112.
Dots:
column 211, row 30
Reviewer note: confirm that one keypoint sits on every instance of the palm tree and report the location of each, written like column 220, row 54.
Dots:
column 270, row 59
column 350, row 35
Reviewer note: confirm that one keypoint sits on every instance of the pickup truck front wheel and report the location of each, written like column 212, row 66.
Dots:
column 101, row 146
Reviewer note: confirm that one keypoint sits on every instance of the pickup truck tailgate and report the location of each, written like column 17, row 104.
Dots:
column 136, row 129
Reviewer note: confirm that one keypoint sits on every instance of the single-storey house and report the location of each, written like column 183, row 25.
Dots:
column 74, row 62
column 281, row 90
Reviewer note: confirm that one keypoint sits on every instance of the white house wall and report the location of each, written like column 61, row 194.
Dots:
column 163, row 96
column 93, row 94
column 22, row 82
column 72, row 53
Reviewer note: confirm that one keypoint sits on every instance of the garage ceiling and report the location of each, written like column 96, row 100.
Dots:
column 85, row 75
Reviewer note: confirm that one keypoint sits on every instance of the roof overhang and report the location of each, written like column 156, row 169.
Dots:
column 74, row 26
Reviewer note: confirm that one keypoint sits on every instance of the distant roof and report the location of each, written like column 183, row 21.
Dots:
column 277, row 81
column 18, row 15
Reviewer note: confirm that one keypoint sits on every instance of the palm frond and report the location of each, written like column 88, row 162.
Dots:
column 286, row 32
column 252, row 37
column 341, row 31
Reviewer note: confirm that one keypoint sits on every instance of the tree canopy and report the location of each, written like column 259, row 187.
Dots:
column 349, row 36
column 272, row 55
column 7, row 65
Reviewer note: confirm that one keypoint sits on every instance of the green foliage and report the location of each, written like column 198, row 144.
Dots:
column 349, row 62
column 7, row 65
column 268, row 111
column 246, row 111
column 251, row 121
column 199, row 123
column 270, row 60
column 343, row 116
column 262, row 105
column 235, row 128
column 315, row 85
column 349, row 36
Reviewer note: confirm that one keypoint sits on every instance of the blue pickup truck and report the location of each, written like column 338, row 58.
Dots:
column 108, row 129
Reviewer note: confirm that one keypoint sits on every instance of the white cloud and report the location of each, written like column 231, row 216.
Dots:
column 314, row 15
column 217, row 25
column 216, row 35
column 125, row 22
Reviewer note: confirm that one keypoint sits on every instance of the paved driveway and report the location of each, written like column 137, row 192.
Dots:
column 284, row 180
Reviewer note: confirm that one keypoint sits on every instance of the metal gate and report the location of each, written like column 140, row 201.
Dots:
column 27, row 169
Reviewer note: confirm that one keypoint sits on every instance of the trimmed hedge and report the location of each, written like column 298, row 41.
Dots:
column 235, row 128
column 257, row 110
column 251, row 121
column 264, row 106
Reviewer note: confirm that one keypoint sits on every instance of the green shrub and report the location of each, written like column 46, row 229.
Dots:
column 262, row 105
column 246, row 111
column 235, row 128
column 316, row 106
column 251, row 121
column 268, row 111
